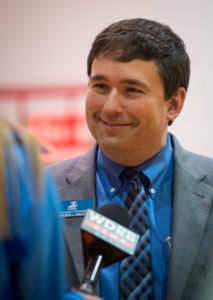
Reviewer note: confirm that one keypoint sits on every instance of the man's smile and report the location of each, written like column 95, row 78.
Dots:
column 115, row 124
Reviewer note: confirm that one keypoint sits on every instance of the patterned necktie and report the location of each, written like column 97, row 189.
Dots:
column 136, row 270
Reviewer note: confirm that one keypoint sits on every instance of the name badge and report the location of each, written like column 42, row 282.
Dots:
column 76, row 208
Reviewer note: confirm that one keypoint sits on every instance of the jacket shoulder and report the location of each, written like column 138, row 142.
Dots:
column 192, row 162
column 77, row 166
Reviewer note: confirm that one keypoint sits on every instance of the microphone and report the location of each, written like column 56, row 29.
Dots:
column 106, row 240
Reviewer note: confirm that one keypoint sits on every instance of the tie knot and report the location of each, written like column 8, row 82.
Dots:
column 135, row 176
column 132, row 174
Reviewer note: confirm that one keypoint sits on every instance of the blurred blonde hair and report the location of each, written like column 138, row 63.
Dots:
column 31, row 147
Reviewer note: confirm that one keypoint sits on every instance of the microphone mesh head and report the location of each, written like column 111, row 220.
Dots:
column 116, row 212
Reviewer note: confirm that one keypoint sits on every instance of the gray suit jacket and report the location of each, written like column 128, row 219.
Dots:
column 192, row 242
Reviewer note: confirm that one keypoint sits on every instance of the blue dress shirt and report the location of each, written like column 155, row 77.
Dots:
column 159, row 170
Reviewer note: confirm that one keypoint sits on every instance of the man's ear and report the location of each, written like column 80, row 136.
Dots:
column 175, row 104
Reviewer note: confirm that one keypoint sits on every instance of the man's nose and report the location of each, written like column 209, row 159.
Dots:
column 113, row 102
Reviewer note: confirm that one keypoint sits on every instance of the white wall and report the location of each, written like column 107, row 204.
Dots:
column 46, row 42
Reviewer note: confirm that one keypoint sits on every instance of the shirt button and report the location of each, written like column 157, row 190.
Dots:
column 112, row 190
column 152, row 191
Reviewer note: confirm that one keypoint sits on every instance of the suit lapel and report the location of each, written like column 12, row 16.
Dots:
column 191, row 204
column 81, row 185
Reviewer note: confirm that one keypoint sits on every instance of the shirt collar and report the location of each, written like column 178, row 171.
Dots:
column 155, row 168
column 109, row 172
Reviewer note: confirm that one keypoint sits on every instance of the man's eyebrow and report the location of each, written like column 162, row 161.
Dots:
column 126, row 81
column 98, row 77
column 135, row 82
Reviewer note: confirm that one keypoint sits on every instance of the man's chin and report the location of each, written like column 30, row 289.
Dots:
column 112, row 147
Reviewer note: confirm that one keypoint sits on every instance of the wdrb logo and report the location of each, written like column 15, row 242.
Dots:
column 106, row 225
column 73, row 205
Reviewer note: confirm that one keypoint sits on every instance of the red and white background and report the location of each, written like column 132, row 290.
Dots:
column 43, row 52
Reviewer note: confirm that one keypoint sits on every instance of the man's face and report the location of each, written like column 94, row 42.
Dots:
column 126, row 110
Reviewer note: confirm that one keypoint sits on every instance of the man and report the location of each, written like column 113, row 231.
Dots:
column 138, row 77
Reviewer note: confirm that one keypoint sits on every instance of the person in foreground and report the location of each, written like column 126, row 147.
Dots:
column 138, row 78
column 31, row 236
column 31, row 244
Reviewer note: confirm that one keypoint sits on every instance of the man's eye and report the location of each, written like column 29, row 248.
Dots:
column 100, row 86
column 133, row 90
